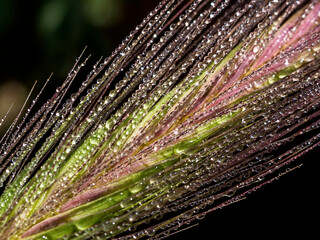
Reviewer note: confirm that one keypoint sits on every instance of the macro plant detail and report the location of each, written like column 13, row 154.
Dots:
column 201, row 104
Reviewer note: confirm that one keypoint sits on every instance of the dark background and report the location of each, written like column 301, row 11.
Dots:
column 41, row 37
column 287, row 208
column 38, row 38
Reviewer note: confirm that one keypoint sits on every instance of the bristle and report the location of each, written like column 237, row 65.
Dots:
column 203, row 103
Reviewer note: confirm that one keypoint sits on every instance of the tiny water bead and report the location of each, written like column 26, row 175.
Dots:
column 200, row 103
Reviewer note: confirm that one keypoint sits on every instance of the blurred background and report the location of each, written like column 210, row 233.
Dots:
column 41, row 37
column 38, row 38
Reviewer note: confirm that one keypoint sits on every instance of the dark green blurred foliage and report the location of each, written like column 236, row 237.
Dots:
column 41, row 37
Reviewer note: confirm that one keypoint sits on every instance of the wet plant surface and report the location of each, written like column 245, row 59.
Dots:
column 202, row 104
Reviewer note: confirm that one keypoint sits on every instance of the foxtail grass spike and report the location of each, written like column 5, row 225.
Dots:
column 201, row 104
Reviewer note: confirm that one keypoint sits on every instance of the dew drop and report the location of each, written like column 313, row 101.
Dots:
column 256, row 49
